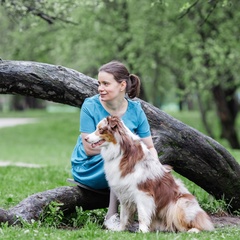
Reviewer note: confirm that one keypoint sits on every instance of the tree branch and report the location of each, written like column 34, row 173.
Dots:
column 192, row 154
column 188, row 9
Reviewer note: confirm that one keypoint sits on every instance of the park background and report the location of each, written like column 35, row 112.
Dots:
column 185, row 52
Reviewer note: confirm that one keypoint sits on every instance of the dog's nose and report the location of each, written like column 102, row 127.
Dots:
column 86, row 139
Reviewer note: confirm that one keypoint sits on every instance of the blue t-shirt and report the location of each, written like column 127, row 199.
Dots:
column 89, row 170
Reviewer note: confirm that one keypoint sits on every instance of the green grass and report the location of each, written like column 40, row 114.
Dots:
column 19, row 182
column 49, row 143
column 92, row 231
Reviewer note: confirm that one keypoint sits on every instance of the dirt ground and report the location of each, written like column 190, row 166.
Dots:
column 225, row 221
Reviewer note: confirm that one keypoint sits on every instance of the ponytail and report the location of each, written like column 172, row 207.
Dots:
column 133, row 86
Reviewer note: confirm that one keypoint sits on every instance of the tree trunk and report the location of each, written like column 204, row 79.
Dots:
column 203, row 112
column 191, row 153
column 33, row 206
column 224, row 98
column 226, row 107
column 20, row 103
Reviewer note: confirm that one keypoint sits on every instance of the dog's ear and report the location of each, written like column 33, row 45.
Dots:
column 113, row 121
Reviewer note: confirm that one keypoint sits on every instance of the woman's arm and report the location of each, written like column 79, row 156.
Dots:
column 149, row 143
column 88, row 148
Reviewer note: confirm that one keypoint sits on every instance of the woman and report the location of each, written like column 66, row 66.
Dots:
column 116, row 87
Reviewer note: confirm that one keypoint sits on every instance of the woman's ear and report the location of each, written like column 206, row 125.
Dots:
column 123, row 85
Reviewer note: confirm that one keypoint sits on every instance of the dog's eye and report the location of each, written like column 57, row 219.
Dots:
column 102, row 130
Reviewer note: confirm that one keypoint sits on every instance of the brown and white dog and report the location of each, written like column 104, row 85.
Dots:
column 143, row 185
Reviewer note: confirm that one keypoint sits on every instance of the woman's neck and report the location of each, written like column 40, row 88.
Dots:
column 115, row 105
column 116, row 108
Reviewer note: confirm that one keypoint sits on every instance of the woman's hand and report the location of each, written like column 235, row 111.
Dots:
column 149, row 143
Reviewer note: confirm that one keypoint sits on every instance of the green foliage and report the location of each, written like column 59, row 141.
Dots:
column 214, row 206
column 49, row 11
column 161, row 41
column 83, row 218
column 52, row 215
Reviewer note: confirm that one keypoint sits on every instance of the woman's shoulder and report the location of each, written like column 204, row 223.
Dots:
column 92, row 100
column 134, row 108
column 134, row 104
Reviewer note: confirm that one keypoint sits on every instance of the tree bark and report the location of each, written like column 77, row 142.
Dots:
column 45, row 81
column 191, row 153
column 71, row 197
column 227, row 111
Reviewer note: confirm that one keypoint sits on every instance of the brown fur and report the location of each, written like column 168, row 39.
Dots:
column 132, row 150
column 159, row 190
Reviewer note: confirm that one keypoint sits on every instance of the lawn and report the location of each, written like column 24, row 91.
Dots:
column 49, row 143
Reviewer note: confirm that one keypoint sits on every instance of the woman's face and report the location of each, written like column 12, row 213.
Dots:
column 109, row 89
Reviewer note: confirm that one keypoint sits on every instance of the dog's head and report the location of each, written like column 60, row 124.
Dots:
column 105, row 132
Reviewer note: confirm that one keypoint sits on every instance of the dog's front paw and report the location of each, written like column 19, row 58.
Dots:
column 122, row 228
column 143, row 228
column 113, row 223
column 193, row 230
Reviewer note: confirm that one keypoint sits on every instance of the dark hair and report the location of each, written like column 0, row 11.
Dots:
column 121, row 73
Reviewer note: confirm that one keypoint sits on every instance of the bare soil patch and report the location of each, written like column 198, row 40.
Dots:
column 225, row 221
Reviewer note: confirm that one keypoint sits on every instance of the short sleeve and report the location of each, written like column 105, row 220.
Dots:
column 135, row 119
column 143, row 129
column 87, row 121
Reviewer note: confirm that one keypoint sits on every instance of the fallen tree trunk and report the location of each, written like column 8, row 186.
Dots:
column 191, row 153
column 71, row 197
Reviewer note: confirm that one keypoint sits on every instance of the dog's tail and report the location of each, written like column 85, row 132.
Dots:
column 194, row 217
column 202, row 222
column 187, row 215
